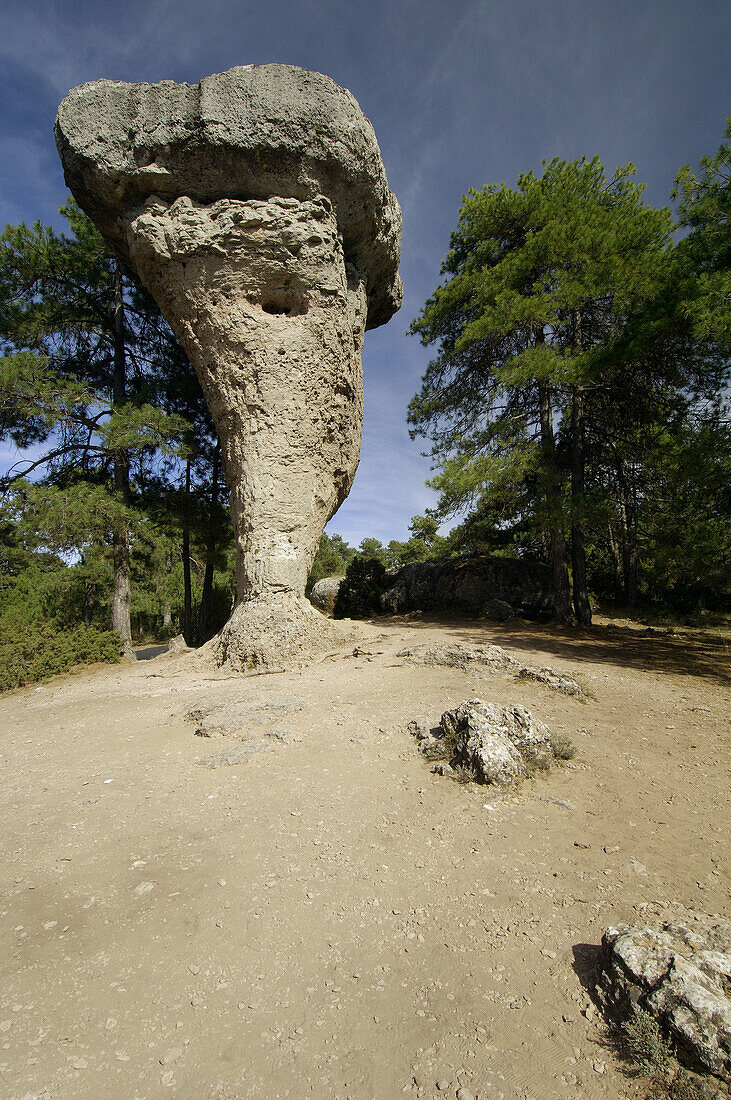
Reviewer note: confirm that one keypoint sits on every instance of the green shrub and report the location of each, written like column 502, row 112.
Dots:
column 563, row 747
column 360, row 593
column 41, row 632
column 644, row 1043
column 686, row 1087
column 33, row 651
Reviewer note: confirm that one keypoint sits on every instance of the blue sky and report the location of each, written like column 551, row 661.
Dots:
column 461, row 93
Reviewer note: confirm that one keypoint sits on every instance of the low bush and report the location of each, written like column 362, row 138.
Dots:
column 563, row 747
column 641, row 1042
column 644, row 1043
column 33, row 651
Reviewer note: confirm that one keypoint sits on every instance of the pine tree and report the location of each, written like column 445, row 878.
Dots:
column 705, row 209
column 75, row 382
column 542, row 282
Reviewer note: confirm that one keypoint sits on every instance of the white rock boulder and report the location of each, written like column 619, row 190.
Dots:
column 497, row 744
column 680, row 972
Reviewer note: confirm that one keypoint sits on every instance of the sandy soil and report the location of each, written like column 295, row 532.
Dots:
column 331, row 919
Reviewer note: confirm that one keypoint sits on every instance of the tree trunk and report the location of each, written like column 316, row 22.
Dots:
column 120, row 538
column 89, row 598
column 630, row 557
column 188, row 600
column 561, row 594
column 616, row 560
column 582, row 607
column 211, row 540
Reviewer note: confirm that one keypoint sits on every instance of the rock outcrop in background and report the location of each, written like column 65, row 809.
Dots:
column 255, row 208
column 473, row 585
column 324, row 593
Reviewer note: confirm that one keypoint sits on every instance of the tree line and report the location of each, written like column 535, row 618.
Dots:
column 115, row 512
column 577, row 406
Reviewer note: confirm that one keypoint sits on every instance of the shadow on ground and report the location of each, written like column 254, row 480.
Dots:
column 695, row 654
column 608, row 1039
column 586, row 960
column 150, row 651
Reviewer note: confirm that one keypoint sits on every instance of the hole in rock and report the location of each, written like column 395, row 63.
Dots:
column 284, row 303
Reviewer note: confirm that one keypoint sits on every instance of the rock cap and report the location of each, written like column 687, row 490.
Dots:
column 252, row 132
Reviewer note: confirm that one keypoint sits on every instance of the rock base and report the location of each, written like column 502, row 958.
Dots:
column 490, row 659
column 276, row 630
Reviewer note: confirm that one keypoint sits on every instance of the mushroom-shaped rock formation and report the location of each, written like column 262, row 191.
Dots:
column 255, row 208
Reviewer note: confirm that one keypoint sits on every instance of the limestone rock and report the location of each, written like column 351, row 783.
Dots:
column 275, row 337
column 255, row 209
column 248, row 133
column 499, row 610
column 680, row 972
column 488, row 659
column 230, row 757
column 468, row 658
column 498, row 744
column 238, row 716
column 324, row 593
column 433, row 748
column 247, row 724
column 419, row 728
column 468, row 584
column 558, row 681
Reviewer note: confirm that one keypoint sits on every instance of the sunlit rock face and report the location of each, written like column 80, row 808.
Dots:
column 255, row 209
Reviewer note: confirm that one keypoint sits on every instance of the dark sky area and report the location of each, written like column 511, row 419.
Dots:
column 460, row 92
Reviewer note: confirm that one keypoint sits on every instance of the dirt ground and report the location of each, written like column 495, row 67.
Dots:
column 331, row 919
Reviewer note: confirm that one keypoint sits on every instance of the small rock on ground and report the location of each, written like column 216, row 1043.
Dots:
column 497, row 744
column 227, row 758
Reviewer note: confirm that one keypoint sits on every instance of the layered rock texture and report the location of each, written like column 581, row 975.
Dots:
column 488, row 659
column 255, row 209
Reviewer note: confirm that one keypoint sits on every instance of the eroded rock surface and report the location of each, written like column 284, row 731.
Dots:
column 246, row 724
column 488, row 659
column 324, row 594
column 557, row 681
column 476, row 585
column 237, row 716
column 680, row 972
column 255, row 209
column 467, row 658
column 499, row 610
column 261, row 300
column 251, row 132
column 496, row 744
